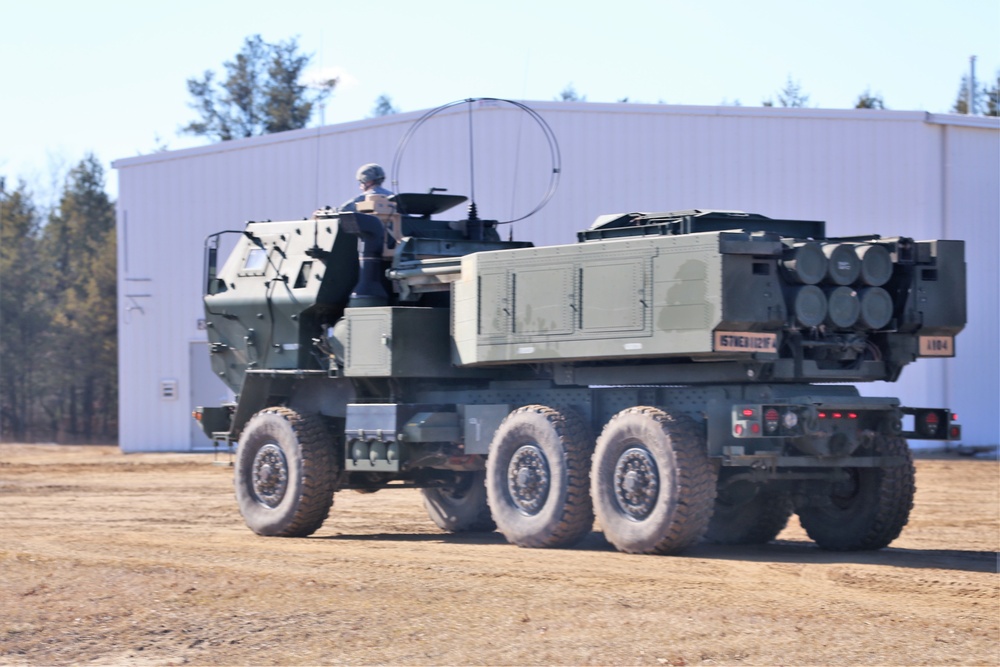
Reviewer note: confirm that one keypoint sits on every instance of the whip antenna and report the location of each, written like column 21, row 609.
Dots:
column 550, row 138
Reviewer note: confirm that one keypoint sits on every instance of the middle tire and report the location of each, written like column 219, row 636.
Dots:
column 460, row 508
column 747, row 513
column 536, row 478
column 652, row 482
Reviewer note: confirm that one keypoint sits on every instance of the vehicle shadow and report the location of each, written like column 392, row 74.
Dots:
column 802, row 551
column 493, row 538
column 779, row 551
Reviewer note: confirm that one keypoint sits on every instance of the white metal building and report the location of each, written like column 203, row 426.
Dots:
column 888, row 172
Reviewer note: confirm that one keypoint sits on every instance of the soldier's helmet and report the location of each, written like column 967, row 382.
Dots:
column 371, row 172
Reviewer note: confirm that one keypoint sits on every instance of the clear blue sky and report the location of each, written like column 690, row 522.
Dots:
column 109, row 76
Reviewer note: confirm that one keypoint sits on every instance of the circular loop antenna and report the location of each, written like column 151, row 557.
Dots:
column 550, row 139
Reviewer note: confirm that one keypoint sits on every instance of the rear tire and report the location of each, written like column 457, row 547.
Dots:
column 461, row 508
column 286, row 473
column 536, row 478
column 870, row 509
column 747, row 513
column 652, row 483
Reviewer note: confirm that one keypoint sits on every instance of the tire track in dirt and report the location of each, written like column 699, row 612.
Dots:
column 153, row 566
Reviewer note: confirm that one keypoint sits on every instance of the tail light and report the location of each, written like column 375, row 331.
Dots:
column 954, row 430
column 932, row 424
column 766, row 420
column 771, row 418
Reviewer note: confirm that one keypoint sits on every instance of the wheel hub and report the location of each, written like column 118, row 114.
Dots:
column 528, row 479
column 270, row 475
column 844, row 492
column 637, row 483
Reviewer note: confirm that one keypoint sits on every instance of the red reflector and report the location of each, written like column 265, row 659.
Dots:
column 755, row 427
column 748, row 412
column 931, row 418
column 852, row 415
column 771, row 415
column 738, row 429
column 838, row 415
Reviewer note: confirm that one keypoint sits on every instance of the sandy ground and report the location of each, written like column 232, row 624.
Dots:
column 144, row 560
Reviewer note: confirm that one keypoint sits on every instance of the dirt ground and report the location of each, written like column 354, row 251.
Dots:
column 108, row 559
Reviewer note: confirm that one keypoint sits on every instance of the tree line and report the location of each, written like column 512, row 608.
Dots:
column 58, row 323
column 985, row 97
column 261, row 91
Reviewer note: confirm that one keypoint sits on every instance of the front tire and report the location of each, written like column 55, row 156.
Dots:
column 652, row 482
column 870, row 508
column 286, row 473
column 461, row 508
column 536, row 478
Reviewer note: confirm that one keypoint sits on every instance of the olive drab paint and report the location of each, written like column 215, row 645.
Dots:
column 528, row 387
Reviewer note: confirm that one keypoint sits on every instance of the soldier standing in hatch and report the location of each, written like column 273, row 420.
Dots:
column 370, row 178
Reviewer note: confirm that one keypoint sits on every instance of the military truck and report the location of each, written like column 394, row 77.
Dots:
column 678, row 376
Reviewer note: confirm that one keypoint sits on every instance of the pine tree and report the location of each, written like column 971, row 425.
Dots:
column 261, row 94
column 569, row 94
column 993, row 97
column 23, row 316
column 79, row 244
column 867, row 100
column 791, row 95
column 286, row 102
column 383, row 107
column 961, row 104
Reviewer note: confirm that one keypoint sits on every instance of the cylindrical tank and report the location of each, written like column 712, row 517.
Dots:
column 843, row 266
column 876, row 264
column 843, row 307
column 808, row 305
column 876, row 307
column 804, row 263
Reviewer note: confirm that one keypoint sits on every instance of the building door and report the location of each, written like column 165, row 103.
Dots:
column 206, row 390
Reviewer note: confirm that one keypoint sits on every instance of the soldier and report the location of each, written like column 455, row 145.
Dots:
column 370, row 178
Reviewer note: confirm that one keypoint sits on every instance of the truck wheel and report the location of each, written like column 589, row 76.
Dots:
column 461, row 508
column 653, row 484
column 536, row 478
column 870, row 508
column 747, row 513
column 286, row 473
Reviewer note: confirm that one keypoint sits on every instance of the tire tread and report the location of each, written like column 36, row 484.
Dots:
column 896, row 489
column 575, row 518
column 318, row 473
column 694, row 473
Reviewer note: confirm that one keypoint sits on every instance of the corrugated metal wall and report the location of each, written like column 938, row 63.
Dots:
column 969, row 170
column 894, row 173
